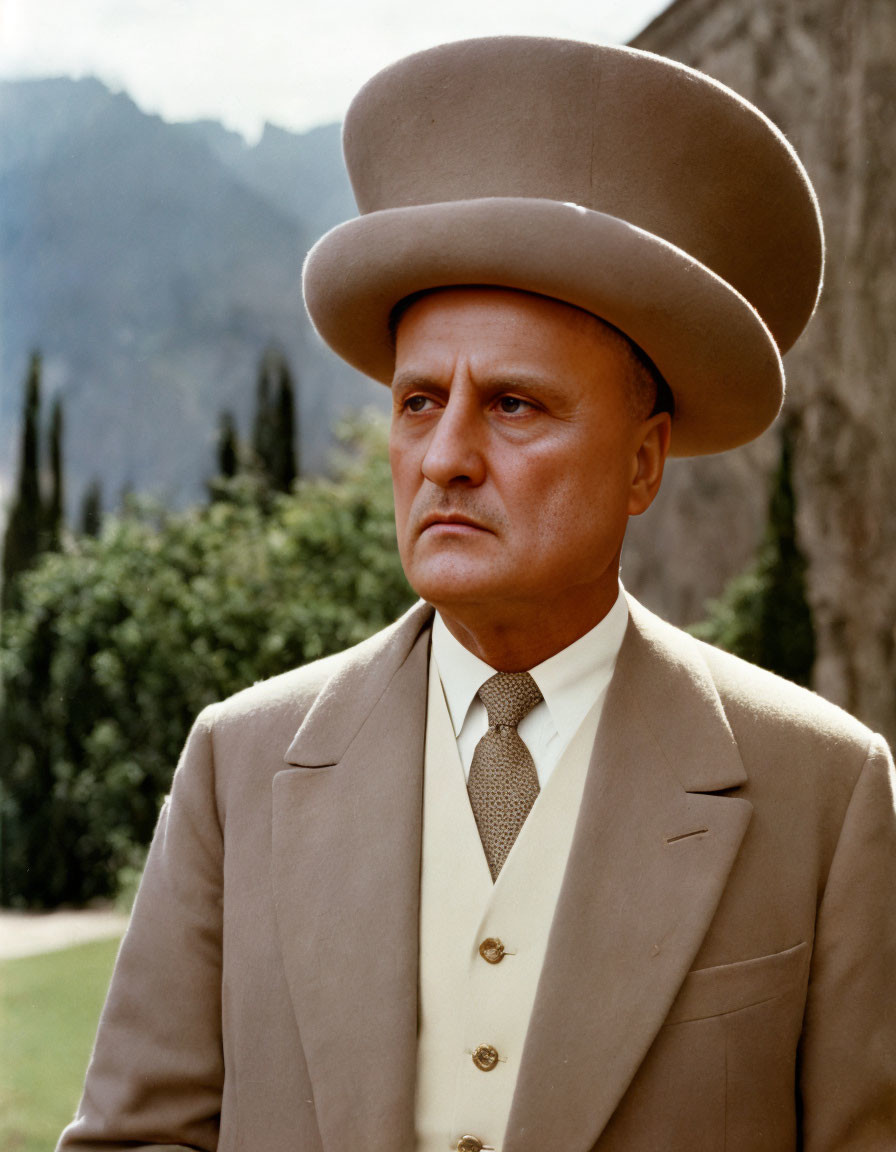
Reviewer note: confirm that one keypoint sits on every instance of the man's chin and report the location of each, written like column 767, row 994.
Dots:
column 456, row 585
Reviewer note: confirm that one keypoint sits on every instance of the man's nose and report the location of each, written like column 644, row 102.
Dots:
column 454, row 455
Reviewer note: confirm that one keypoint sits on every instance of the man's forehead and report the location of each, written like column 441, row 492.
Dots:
column 502, row 325
column 451, row 299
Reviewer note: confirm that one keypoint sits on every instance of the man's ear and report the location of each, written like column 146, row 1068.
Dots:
column 652, row 448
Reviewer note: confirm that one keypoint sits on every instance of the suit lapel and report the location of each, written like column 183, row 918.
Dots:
column 346, row 875
column 650, row 856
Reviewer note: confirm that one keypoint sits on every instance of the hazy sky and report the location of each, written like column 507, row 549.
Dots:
column 296, row 64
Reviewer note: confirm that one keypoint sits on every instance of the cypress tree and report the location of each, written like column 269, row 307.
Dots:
column 92, row 510
column 263, row 430
column 53, row 510
column 24, row 530
column 764, row 614
column 786, row 640
column 284, row 464
column 274, row 429
column 228, row 459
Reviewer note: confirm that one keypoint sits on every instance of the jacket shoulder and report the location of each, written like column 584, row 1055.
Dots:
column 769, row 701
column 293, row 691
column 759, row 705
column 289, row 696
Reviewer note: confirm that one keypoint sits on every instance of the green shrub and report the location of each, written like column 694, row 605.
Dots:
column 121, row 640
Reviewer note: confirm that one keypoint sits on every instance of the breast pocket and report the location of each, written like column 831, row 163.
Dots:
column 733, row 987
column 721, row 1071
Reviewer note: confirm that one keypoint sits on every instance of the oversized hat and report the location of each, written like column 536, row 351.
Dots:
column 610, row 178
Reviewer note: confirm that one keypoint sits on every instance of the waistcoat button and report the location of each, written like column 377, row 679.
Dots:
column 469, row 1144
column 485, row 1057
column 492, row 950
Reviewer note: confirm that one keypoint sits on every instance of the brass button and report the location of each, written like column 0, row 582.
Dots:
column 492, row 950
column 485, row 1057
column 469, row 1144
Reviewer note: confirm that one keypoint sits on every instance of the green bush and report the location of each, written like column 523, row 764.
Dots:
column 121, row 640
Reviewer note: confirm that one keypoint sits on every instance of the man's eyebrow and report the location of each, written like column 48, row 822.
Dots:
column 531, row 381
column 410, row 380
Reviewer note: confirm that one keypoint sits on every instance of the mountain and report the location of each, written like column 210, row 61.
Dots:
column 302, row 176
column 153, row 264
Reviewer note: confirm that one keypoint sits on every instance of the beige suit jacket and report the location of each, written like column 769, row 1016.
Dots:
column 721, row 969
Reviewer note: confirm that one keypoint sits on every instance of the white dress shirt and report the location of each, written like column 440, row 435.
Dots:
column 571, row 682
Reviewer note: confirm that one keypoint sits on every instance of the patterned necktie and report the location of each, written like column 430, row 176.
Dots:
column 503, row 783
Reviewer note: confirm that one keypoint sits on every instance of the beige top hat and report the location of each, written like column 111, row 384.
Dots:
column 610, row 178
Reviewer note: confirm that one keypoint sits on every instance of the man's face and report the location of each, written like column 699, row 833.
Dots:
column 516, row 455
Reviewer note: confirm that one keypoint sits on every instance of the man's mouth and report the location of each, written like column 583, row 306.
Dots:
column 448, row 521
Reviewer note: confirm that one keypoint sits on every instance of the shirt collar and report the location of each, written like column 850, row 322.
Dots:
column 569, row 681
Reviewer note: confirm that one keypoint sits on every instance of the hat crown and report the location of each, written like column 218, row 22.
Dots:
column 616, row 130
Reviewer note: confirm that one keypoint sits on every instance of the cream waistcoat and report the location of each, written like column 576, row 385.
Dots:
column 464, row 1000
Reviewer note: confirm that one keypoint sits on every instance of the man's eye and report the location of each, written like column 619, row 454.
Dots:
column 511, row 404
column 416, row 403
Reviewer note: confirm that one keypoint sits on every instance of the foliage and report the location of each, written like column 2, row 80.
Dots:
column 49, row 1008
column 764, row 615
column 121, row 640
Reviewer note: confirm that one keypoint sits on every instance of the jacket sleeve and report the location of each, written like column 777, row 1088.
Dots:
column 848, row 1058
column 156, row 1075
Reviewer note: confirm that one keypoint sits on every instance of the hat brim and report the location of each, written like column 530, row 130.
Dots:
column 710, row 344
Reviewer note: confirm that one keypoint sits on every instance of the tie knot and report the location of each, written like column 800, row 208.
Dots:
column 508, row 697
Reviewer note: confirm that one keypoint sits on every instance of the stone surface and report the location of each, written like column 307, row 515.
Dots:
column 825, row 72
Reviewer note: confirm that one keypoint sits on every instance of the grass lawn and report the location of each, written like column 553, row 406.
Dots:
column 49, row 1007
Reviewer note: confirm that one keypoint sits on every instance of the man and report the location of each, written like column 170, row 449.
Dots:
column 539, row 871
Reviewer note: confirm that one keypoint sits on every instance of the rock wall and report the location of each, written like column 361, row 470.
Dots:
column 825, row 72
